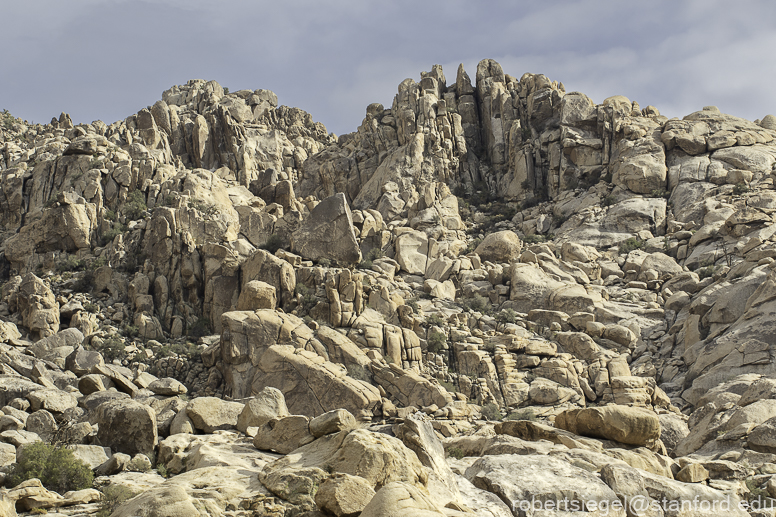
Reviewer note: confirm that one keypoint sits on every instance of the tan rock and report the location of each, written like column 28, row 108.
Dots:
column 257, row 295
column 503, row 246
column 283, row 435
column 693, row 473
column 630, row 425
column 212, row 414
column 344, row 495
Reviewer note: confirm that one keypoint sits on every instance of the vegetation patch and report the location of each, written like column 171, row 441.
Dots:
column 56, row 468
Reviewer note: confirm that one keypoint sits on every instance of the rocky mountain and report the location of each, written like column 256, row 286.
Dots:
column 489, row 294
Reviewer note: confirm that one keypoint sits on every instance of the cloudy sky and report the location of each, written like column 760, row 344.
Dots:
column 106, row 59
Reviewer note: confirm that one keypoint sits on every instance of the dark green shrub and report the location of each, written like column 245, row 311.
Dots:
column 71, row 263
column 200, row 328
column 56, row 467
column 478, row 303
column 491, row 412
column 534, row 239
column 741, row 188
column 660, row 192
column 112, row 348
column 135, row 205
column 113, row 497
column 436, row 341
column 608, row 201
column 630, row 245
column 456, row 452
column 506, row 316
column 436, row 320
column 274, row 243
column 522, row 414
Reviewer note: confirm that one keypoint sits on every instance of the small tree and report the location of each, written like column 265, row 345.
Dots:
column 56, row 467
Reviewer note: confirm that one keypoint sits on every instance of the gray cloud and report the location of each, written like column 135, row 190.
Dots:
column 108, row 58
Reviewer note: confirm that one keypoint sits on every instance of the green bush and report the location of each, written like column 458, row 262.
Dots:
column 506, row 316
column 630, row 245
column 534, row 239
column 200, row 328
column 708, row 271
column 274, row 243
column 478, row 303
column 135, row 205
column 436, row 341
column 436, row 319
column 456, row 452
column 71, row 263
column 449, row 386
column 113, row 497
column 56, row 467
column 741, row 188
column 660, row 192
column 107, row 237
column 491, row 412
column 112, row 348
column 608, row 201
column 522, row 414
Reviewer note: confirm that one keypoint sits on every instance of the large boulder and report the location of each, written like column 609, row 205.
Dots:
column 629, row 425
column 327, row 233
column 521, row 480
column 267, row 405
column 375, row 457
column 211, row 414
column 37, row 306
column 126, row 426
column 267, row 349
column 344, row 495
column 503, row 246
column 401, row 500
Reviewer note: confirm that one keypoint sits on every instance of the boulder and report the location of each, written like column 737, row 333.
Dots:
column 126, row 426
column 519, row 480
column 167, row 387
column 37, row 306
column 327, row 233
column 268, row 404
column 332, row 421
column 629, row 425
column 257, row 295
column 344, row 495
column 283, row 435
column 213, row 414
column 498, row 247
column 401, row 500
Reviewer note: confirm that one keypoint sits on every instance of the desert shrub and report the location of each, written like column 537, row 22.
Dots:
column 630, row 245
column 608, row 200
column 456, row 452
column 274, row 243
column 113, row 497
column 741, row 188
column 56, row 467
column 491, row 411
column 200, row 328
column 529, row 203
column 85, row 282
column 478, row 303
column 108, row 236
column 71, row 263
column 534, row 239
column 660, row 192
column 506, row 316
column 436, row 341
column 135, row 205
column 92, row 308
column 111, row 348
column 473, row 245
column 522, row 414
column 207, row 209
column 412, row 303
column 188, row 350
column 436, row 319
column 707, row 271
column 449, row 386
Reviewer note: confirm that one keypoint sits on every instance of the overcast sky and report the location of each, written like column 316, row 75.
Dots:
column 106, row 59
